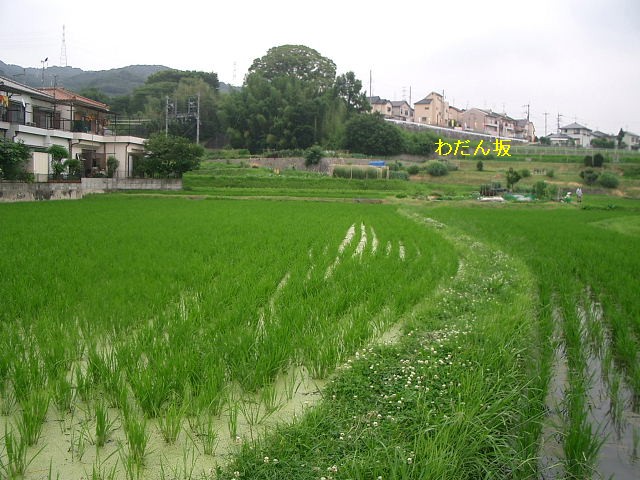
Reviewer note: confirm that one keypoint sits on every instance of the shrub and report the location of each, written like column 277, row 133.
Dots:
column 525, row 173
column 399, row 175
column 437, row 169
column 479, row 166
column 74, row 167
column 609, row 180
column 413, row 170
column 112, row 166
column 590, row 176
column 598, row 160
column 313, row 155
column 550, row 173
column 540, row 189
column 588, row 161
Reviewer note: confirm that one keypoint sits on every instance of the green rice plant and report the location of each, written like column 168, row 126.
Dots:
column 232, row 419
column 180, row 471
column 78, row 441
column 34, row 412
column 170, row 422
column 82, row 384
column 204, row 428
column 100, row 471
column 135, row 429
column 8, row 401
column 104, row 425
column 270, row 398
column 16, row 451
column 62, row 394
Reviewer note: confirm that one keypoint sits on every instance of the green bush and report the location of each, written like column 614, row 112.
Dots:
column 590, row 176
column 436, row 168
column 550, row 173
column 313, row 155
column 413, row 170
column 540, row 189
column 525, row 173
column 479, row 166
column 609, row 180
column 398, row 175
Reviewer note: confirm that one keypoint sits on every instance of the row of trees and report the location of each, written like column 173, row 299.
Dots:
column 291, row 99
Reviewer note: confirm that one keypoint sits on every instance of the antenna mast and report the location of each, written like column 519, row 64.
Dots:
column 63, row 50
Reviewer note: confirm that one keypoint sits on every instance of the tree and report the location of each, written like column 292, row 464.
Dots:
column 545, row 141
column 13, row 156
column 349, row 89
column 169, row 156
column 372, row 135
column 513, row 177
column 296, row 61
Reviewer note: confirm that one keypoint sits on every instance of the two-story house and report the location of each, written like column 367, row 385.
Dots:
column 631, row 140
column 55, row 116
column 580, row 134
column 432, row 110
column 488, row 122
column 381, row 106
column 401, row 110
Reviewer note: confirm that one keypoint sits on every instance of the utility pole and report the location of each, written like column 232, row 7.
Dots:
column 546, row 114
column 198, row 121
column 166, row 117
column 528, row 106
column 43, row 63
column 559, row 116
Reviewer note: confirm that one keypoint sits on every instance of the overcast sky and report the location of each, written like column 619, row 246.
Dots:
column 577, row 58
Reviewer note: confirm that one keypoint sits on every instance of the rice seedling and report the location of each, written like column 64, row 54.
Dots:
column 16, row 455
column 170, row 422
column 8, row 401
column 34, row 411
column 104, row 425
column 270, row 399
column 205, row 430
column 62, row 394
column 135, row 429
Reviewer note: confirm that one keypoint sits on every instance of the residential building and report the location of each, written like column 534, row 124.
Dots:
column 455, row 114
column 561, row 140
column 631, row 140
column 401, row 110
column 55, row 116
column 525, row 129
column 488, row 122
column 382, row 106
column 580, row 134
column 432, row 110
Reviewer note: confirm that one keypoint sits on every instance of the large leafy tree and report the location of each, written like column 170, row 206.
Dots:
column 298, row 62
column 291, row 99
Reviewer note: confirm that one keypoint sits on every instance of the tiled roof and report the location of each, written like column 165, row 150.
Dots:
column 575, row 125
column 64, row 95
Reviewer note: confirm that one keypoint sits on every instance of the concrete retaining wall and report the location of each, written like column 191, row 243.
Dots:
column 28, row 192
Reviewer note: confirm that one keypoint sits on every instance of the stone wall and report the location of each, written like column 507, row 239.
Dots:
column 28, row 192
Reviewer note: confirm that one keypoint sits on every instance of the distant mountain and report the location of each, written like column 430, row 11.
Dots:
column 114, row 82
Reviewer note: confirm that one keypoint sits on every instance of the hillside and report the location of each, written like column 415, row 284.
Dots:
column 114, row 82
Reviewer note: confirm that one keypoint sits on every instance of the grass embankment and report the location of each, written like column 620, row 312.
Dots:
column 459, row 395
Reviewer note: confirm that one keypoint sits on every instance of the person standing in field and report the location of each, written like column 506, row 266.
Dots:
column 579, row 194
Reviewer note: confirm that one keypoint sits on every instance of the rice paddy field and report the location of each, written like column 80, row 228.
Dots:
column 175, row 337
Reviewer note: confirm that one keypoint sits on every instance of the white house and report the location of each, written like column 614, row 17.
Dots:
column 580, row 134
column 55, row 116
